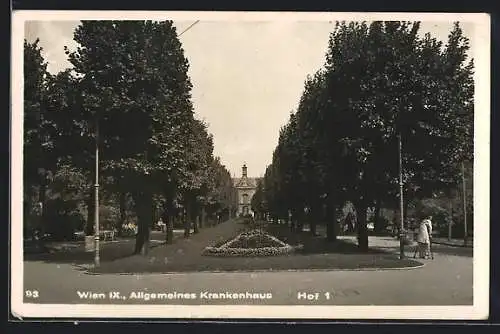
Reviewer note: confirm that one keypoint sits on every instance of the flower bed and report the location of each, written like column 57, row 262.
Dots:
column 253, row 243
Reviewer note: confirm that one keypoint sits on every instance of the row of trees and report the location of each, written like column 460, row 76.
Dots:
column 128, row 93
column 382, row 84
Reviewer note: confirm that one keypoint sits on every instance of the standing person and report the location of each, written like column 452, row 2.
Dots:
column 424, row 237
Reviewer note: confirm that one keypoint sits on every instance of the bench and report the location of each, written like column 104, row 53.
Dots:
column 108, row 235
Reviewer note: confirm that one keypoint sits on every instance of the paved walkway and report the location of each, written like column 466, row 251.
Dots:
column 390, row 244
column 388, row 241
column 387, row 244
column 453, row 242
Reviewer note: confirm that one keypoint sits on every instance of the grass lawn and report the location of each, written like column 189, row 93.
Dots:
column 74, row 251
column 185, row 255
column 109, row 251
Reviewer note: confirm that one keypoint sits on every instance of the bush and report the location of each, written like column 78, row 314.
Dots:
column 255, row 240
column 381, row 227
column 62, row 219
column 108, row 216
column 250, row 252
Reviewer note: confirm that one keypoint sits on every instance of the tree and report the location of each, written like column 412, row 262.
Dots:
column 381, row 81
column 134, row 73
column 258, row 200
column 38, row 150
column 221, row 197
column 65, row 196
column 197, row 181
column 72, row 133
column 319, row 159
column 394, row 98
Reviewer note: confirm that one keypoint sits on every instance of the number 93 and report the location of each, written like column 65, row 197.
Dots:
column 31, row 293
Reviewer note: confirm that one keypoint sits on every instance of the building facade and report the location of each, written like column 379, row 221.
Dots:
column 245, row 188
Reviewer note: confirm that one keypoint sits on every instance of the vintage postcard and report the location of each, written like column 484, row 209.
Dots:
column 218, row 165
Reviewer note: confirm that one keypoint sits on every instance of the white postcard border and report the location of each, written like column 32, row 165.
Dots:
column 479, row 310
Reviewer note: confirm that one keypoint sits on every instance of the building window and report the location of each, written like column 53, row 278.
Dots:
column 245, row 198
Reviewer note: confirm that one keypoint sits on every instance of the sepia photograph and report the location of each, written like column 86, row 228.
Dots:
column 250, row 165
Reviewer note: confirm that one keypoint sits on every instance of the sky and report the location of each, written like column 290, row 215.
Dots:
column 247, row 75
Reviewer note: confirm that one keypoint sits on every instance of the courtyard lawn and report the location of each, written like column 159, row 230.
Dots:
column 74, row 251
column 186, row 255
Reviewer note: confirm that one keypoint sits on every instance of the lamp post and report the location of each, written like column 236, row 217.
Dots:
column 401, row 203
column 450, row 221
column 96, row 196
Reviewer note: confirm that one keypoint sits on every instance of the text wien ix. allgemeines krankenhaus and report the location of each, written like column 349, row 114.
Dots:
column 147, row 296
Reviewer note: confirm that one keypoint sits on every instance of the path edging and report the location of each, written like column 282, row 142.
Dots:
column 451, row 244
column 87, row 272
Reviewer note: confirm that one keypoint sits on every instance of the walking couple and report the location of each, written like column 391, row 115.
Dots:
column 424, row 238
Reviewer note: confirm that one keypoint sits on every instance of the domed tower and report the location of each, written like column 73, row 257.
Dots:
column 244, row 171
column 245, row 187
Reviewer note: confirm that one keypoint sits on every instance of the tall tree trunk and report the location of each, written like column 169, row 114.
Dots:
column 450, row 221
column 89, row 226
column 169, row 235
column 331, row 219
column 313, row 218
column 155, row 215
column 197, row 223
column 361, row 208
column 376, row 217
column 195, row 218
column 186, row 220
column 300, row 219
column 148, row 221
column 42, row 194
column 295, row 220
column 123, row 212
column 144, row 217
column 165, row 217
column 203, row 215
column 169, row 214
